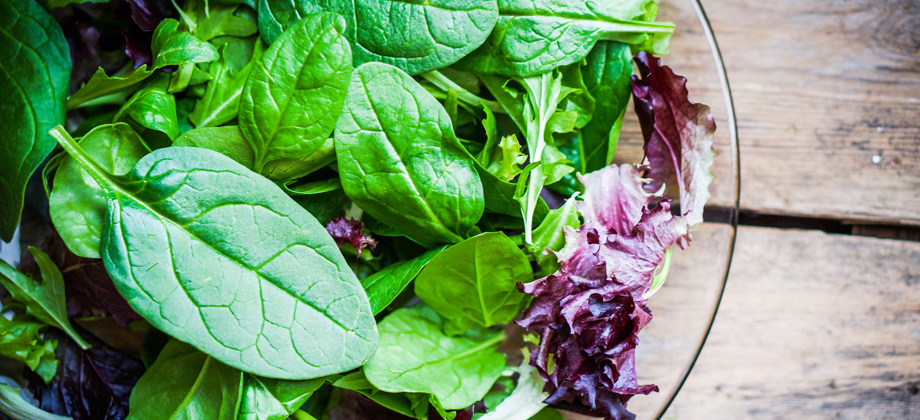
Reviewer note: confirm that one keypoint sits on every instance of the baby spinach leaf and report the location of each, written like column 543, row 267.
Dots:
column 426, row 35
column 400, row 161
column 383, row 286
column 294, row 94
column 221, row 100
column 274, row 399
column 415, row 356
column 413, row 405
column 34, row 77
column 171, row 46
column 550, row 235
column 227, row 140
column 44, row 300
column 190, row 234
column 20, row 340
column 77, row 203
column 315, row 187
column 153, row 108
column 223, row 21
column 534, row 37
column 290, row 169
column 184, row 383
column 12, row 403
column 474, row 283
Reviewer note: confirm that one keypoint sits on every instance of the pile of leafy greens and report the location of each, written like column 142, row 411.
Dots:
column 313, row 209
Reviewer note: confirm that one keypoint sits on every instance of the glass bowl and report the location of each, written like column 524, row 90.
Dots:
column 687, row 304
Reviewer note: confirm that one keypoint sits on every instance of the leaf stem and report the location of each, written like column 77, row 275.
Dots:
column 101, row 176
column 444, row 83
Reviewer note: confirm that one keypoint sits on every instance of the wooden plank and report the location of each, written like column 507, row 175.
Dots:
column 827, row 94
column 812, row 326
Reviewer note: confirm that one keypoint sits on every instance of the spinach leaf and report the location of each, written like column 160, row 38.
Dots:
column 153, row 108
column 184, row 383
column 315, row 187
column 221, row 100
column 385, row 285
column 12, row 403
column 290, row 169
column 413, row 405
column 33, row 87
column 426, row 35
column 222, row 20
column 20, row 340
column 294, row 94
column 415, row 356
column 227, row 140
column 274, row 399
column 400, row 161
column 44, row 300
column 550, row 235
column 534, row 37
column 77, row 203
column 171, row 46
column 190, row 235
column 474, row 283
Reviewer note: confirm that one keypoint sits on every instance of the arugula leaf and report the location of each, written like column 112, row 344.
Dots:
column 171, row 46
column 474, row 283
column 227, row 140
column 184, row 232
column 274, row 399
column 33, row 87
column 426, row 36
column 385, row 285
column 223, row 21
column 533, row 37
column 415, row 356
column 152, row 108
column 102, row 86
column 413, row 405
column 291, row 100
column 20, row 340
column 400, row 161
column 221, row 100
column 12, row 403
column 184, row 383
column 44, row 300
column 77, row 203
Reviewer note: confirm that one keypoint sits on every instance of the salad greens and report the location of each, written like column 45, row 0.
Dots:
column 316, row 209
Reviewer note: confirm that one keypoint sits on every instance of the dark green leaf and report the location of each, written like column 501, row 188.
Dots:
column 227, row 140
column 153, row 108
column 408, row 404
column 383, row 286
column 185, row 237
column 34, row 77
column 426, row 35
column 185, row 383
column 294, row 95
column 274, row 399
column 607, row 77
column 400, row 161
column 474, row 283
column 44, row 300
column 415, row 356
column 77, row 203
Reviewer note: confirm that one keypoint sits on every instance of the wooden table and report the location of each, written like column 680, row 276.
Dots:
column 821, row 315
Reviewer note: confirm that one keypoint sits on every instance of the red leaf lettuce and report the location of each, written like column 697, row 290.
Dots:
column 344, row 231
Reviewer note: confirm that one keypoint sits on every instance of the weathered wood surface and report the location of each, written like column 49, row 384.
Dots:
column 827, row 95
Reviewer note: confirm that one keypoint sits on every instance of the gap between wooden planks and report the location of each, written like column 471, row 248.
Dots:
column 827, row 94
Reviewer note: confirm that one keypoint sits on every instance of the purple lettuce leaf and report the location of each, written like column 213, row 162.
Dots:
column 94, row 384
column 345, row 231
column 614, row 197
column 147, row 14
column 678, row 137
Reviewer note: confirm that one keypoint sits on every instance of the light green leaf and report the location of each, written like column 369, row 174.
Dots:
column 385, row 285
column 222, row 21
column 153, row 108
column 283, row 170
column 550, row 235
column 20, row 340
column 44, row 300
column 171, row 46
column 415, row 356
column 400, row 161
column 274, row 399
column 185, row 237
column 184, row 383
column 534, row 37
column 474, row 283
column 221, row 100
column 227, row 140
column 77, row 203
column 34, row 77
column 427, row 35
column 294, row 95
column 12, row 404
column 526, row 400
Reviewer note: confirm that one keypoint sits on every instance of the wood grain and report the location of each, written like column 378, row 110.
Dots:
column 812, row 326
column 827, row 95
